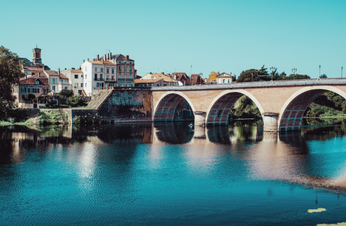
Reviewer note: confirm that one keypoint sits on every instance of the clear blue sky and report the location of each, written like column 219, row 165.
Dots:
column 168, row 36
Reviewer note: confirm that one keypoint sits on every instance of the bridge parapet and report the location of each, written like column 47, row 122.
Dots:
column 262, row 84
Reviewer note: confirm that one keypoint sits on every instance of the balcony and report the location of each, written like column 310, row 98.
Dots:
column 122, row 80
column 98, row 79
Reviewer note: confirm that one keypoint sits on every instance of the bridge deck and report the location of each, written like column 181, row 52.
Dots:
column 265, row 84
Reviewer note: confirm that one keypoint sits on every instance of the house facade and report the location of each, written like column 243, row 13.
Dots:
column 76, row 80
column 107, row 72
column 32, row 89
column 156, row 79
column 224, row 78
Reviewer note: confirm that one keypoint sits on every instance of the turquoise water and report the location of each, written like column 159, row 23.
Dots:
column 170, row 174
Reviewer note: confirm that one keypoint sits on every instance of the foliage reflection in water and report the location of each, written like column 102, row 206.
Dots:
column 171, row 173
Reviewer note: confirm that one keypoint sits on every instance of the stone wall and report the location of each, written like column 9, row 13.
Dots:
column 127, row 105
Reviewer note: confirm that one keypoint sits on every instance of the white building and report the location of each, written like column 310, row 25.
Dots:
column 76, row 80
column 224, row 78
column 108, row 72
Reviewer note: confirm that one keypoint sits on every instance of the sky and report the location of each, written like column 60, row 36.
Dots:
column 182, row 36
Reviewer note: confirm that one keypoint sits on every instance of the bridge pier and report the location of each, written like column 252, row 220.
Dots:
column 200, row 118
column 270, row 122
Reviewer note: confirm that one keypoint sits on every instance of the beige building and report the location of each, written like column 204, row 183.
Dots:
column 155, row 79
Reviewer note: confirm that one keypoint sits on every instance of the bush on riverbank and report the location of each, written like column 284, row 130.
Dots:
column 50, row 117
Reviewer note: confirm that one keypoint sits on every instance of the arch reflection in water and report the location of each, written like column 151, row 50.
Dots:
column 239, row 131
column 301, row 157
column 174, row 132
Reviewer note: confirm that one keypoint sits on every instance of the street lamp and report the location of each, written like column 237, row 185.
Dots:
column 342, row 68
column 294, row 70
column 272, row 69
column 319, row 71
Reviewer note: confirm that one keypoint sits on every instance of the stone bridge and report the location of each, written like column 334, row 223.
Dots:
column 281, row 103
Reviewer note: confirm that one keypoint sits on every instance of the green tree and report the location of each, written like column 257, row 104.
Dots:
column 297, row 76
column 75, row 101
column 66, row 93
column 254, row 75
column 323, row 76
column 10, row 73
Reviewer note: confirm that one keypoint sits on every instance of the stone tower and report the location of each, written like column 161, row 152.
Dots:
column 36, row 56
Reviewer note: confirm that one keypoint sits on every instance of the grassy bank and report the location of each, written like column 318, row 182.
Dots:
column 29, row 117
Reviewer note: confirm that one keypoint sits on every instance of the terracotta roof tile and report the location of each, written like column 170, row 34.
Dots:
column 140, row 81
column 100, row 62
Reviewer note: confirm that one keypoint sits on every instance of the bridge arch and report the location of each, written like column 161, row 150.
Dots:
column 221, row 106
column 165, row 107
column 292, row 111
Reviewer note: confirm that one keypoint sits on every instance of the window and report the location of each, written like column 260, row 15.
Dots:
column 95, row 78
column 86, row 76
column 107, row 70
column 23, row 89
column 81, row 85
column 112, row 77
column 54, row 80
column 125, row 76
column 75, row 76
column 95, row 69
column 76, row 85
column 130, row 76
column 85, row 68
column 85, row 85
column 124, row 68
column 53, row 88
column 112, row 70
column 101, row 77
column 37, row 82
column 101, row 69
column 120, row 68
column 81, row 76
column 107, row 77
column 130, row 68
column 119, row 76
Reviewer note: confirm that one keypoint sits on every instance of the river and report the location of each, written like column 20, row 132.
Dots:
column 172, row 174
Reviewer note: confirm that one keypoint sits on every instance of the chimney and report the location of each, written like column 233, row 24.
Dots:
column 59, row 73
column 88, row 59
column 110, row 55
column 73, row 68
column 127, row 57
column 65, row 68
column 102, row 61
column 98, row 57
column 104, row 56
column 83, row 61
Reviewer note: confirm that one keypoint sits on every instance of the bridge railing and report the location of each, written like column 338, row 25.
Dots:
column 276, row 83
